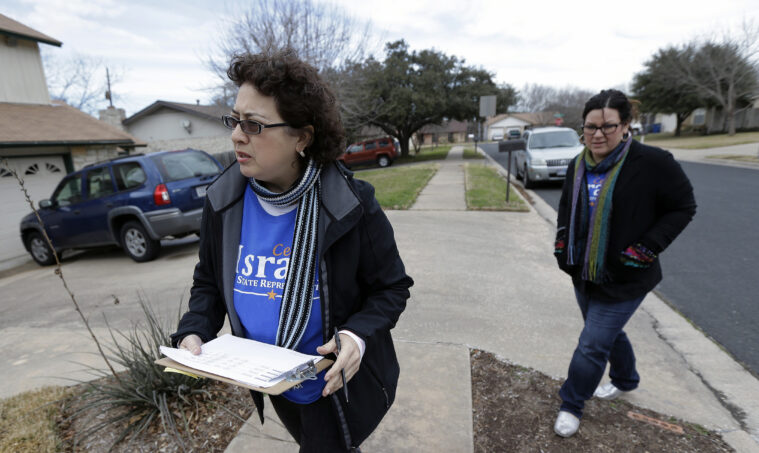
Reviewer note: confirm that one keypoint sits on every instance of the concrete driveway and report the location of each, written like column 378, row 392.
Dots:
column 38, row 321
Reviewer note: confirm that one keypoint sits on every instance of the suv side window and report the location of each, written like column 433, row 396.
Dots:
column 355, row 149
column 180, row 165
column 99, row 183
column 129, row 175
column 69, row 192
column 383, row 143
column 371, row 145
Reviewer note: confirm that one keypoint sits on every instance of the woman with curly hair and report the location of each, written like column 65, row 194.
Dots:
column 292, row 248
column 622, row 204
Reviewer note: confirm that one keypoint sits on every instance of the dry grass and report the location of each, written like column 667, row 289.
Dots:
column 738, row 157
column 28, row 421
column 667, row 141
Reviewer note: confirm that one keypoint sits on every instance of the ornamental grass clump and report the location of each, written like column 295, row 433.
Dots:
column 143, row 395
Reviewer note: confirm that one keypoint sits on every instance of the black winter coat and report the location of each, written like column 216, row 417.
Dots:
column 363, row 284
column 651, row 204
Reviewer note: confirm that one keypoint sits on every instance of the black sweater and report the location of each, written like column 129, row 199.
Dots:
column 651, row 204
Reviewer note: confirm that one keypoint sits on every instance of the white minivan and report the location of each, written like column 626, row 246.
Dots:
column 546, row 153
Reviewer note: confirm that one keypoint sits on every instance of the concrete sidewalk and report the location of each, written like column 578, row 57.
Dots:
column 484, row 280
column 488, row 280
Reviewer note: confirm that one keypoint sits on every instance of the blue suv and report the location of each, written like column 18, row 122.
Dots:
column 130, row 201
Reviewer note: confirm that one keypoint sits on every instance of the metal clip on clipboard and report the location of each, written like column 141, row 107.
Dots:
column 307, row 371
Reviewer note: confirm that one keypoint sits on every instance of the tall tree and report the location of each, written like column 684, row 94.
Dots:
column 660, row 90
column 547, row 100
column 723, row 71
column 78, row 80
column 408, row 90
column 322, row 34
column 506, row 97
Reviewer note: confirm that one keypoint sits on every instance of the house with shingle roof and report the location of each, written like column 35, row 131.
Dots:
column 39, row 139
column 502, row 123
column 450, row 131
column 165, row 125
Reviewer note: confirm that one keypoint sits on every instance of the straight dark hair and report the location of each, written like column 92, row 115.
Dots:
column 613, row 99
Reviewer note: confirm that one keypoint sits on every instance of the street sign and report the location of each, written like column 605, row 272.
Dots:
column 487, row 106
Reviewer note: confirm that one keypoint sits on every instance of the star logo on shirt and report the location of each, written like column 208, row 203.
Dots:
column 271, row 294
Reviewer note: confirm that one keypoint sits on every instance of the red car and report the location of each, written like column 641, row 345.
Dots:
column 383, row 151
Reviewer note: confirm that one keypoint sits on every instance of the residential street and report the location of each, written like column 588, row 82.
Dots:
column 710, row 271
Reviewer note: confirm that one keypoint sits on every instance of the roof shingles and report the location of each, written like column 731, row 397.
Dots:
column 35, row 124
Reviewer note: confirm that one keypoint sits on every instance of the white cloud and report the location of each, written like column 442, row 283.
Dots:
column 162, row 46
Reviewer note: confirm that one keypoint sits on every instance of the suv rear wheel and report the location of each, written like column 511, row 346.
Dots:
column 39, row 249
column 383, row 161
column 137, row 244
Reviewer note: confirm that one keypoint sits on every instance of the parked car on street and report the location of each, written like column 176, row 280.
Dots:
column 382, row 151
column 130, row 201
column 546, row 153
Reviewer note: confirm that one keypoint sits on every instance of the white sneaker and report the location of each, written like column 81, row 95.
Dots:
column 607, row 392
column 566, row 424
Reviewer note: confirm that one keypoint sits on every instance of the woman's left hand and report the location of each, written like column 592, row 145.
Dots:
column 349, row 359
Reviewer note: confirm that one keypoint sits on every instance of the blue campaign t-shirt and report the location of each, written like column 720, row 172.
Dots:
column 595, row 183
column 262, row 260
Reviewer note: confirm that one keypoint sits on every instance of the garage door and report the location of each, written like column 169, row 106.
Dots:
column 41, row 175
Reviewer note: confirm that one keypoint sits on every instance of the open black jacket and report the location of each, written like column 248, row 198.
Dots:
column 651, row 204
column 363, row 284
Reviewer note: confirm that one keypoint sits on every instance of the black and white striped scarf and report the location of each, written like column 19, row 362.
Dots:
column 301, row 270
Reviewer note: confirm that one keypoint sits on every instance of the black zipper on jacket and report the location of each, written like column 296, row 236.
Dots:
column 324, row 295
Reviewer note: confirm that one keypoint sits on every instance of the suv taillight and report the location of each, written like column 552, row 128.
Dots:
column 161, row 195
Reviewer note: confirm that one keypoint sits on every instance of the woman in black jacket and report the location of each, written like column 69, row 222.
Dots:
column 622, row 204
column 293, row 247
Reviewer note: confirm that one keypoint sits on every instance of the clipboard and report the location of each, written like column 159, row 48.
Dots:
column 297, row 376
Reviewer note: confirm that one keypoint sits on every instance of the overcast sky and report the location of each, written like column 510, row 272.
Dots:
column 160, row 47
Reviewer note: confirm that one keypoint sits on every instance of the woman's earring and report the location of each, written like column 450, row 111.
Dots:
column 301, row 153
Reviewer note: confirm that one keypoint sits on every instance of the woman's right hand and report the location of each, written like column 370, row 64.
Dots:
column 191, row 343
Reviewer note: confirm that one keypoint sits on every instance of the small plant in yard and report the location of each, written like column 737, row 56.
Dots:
column 144, row 394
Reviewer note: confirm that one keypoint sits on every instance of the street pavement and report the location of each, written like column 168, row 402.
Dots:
column 485, row 280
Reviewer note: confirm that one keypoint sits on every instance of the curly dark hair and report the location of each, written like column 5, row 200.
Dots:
column 302, row 97
column 613, row 99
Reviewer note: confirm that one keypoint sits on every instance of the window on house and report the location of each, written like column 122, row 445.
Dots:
column 32, row 169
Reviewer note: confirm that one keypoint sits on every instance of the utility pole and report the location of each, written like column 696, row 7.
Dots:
column 108, row 92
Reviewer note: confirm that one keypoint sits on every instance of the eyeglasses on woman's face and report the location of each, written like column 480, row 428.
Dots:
column 250, row 127
column 606, row 129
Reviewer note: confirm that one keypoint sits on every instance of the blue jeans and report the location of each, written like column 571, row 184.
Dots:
column 602, row 340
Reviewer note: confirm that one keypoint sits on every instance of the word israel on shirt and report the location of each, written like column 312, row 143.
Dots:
column 262, row 266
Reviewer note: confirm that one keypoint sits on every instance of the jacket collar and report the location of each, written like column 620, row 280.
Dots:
column 338, row 199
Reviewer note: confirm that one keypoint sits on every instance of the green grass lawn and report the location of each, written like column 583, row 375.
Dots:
column 486, row 190
column 469, row 153
column 398, row 187
column 667, row 140
column 425, row 153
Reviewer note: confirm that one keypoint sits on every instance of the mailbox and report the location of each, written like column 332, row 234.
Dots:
column 511, row 145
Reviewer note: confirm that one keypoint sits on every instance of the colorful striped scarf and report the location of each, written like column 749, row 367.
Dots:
column 590, row 235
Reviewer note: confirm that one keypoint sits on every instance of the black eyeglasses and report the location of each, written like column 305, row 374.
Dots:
column 606, row 129
column 250, row 127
